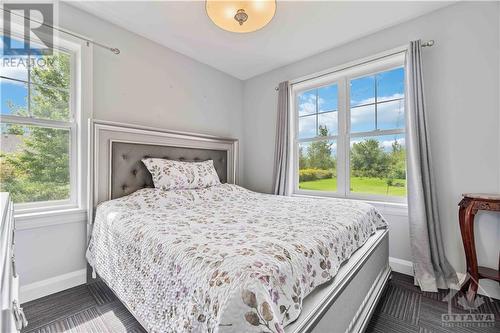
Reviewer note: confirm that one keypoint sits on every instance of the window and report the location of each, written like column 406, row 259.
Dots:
column 38, row 148
column 349, row 138
column 317, row 138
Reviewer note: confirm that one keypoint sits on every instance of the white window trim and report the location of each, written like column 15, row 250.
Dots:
column 341, row 75
column 81, row 104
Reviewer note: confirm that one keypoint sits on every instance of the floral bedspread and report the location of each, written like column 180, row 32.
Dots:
column 223, row 259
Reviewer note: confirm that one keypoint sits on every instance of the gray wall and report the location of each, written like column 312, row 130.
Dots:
column 462, row 87
column 151, row 85
column 147, row 84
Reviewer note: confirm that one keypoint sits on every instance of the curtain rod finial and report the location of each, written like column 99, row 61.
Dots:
column 115, row 50
column 276, row 88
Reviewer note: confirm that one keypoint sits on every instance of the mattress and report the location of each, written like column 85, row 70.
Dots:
column 223, row 259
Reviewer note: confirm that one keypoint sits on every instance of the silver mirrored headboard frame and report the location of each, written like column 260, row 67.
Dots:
column 103, row 134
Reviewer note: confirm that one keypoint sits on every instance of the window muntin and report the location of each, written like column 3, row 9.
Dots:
column 391, row 115
column 45, row 152
column 318, row 165
column 307, row 103
column 363, row 118
column 362, row 91
column 369, row 127
column 38, row 130
column 328, row 98
column 377, row 159
column 317, row 147
column 373, row 156
column 328, row 121
column 317, row 109
column 377, row 101
column 14, row 96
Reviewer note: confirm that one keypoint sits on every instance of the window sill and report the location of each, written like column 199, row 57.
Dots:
column 386, row 208
column 26, row 219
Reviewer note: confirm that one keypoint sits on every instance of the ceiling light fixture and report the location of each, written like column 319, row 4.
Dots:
column 241, row 16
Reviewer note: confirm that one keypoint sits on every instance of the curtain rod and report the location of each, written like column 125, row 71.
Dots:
column 427, row 43
column 112, row 49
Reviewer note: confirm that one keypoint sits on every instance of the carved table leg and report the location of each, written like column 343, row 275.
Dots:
column 461, row 219
column 468, row 208
column 471, row 251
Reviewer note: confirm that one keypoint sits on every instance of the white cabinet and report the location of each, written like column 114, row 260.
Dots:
column 12, row 317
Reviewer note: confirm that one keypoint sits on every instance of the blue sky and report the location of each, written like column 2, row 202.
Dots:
column 13, row 67
column 13, row 91
column 386, row 86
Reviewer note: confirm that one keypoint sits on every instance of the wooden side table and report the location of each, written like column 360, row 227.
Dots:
column 469, row 206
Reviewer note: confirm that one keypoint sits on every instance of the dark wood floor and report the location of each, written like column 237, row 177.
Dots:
column 403, row 308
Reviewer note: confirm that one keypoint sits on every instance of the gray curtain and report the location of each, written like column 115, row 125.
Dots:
column 281, row 148
column 432, row 269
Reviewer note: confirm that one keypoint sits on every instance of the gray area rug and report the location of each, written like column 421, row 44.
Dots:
column 402, row 308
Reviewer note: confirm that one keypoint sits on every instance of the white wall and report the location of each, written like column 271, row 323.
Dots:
column 462, row 85
column 147, row 84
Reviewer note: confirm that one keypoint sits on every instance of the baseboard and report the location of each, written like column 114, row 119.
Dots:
column 52, row 285
column 401, row 266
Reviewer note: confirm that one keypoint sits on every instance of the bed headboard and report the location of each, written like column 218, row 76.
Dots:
column 129, row 174
column 117, row 149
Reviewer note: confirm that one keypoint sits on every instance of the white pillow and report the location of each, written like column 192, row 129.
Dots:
column 177, row 175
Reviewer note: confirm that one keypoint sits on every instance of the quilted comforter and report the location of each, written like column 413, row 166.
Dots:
column 223, row 259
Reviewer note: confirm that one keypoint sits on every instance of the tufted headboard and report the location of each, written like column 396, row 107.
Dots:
column 116, row 151
column 128, row 173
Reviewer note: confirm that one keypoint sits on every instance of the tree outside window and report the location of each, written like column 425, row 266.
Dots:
column 36, row 129
column 373, row 145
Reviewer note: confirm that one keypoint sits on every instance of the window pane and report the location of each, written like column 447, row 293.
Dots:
column 14, row 97
column 53, row 71
column 390, row 85
column 363, row 118
column 49, row 103
column 318, row 165
column 307, row 127
column 328, row 98
column 35, row 163
column 391, row 115
column 378, row 165
column 328, row 123
column 14, row 67
column 307, row 102
column 50, row 89
column 363, row 90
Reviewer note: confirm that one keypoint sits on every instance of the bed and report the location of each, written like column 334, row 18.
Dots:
column 223, row 258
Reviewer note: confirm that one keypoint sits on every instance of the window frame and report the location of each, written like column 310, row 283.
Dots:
column 72, row 47
column 342, row 77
